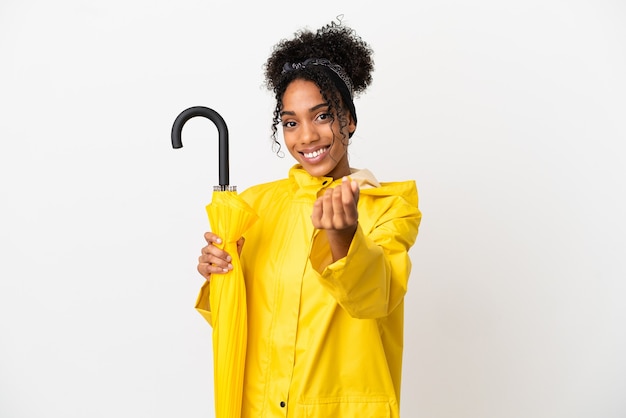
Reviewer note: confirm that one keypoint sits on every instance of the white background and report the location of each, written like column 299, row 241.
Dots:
column 509, row 115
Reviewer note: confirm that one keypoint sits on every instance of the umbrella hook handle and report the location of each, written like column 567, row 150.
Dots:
column 222, row 129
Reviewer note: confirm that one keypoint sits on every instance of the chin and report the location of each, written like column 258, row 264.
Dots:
column 316, row 171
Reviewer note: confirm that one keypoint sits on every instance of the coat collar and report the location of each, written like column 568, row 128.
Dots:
column 303, row 179
column 307, row 186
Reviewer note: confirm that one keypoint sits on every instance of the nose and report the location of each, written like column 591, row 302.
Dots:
column 308, row 133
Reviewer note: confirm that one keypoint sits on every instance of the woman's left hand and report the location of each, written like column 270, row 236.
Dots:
column 336, row 210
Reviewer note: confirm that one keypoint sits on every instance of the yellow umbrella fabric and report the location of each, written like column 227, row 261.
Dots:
column 230, row 216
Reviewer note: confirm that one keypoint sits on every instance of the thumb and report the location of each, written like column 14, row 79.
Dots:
column 240, row 243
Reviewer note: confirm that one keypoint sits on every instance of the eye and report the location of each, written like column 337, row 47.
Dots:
column 289, row 124
column 324, row 116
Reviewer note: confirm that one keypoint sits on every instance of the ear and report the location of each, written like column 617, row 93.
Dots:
column 351, row 125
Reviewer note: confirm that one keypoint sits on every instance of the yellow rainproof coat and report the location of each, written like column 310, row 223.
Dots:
column 325, row 339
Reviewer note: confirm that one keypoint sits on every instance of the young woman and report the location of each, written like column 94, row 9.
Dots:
column 326, row 265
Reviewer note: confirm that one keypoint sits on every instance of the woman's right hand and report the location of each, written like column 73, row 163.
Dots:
column 214, row 260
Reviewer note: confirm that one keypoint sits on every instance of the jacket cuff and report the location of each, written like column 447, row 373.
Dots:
column 203, row 305
column 359, row 280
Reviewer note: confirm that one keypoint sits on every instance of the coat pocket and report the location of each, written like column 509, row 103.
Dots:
column 366, row 408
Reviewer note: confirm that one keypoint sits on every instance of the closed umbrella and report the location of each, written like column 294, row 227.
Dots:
column 222, row 300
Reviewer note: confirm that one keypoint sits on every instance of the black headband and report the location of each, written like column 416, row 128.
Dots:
column 337, row 74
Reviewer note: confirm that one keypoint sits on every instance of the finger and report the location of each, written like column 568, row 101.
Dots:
column 212, row 254
column 212, row 238
column 211, row 249
column 356, row 190
column 316, row 214
column 344, row 207
column 207, row 269
column 217, row 259
column 349, row 202
column 338, row 215
column 347, row 196
column 327, row 209
column 214, row 264
column 323, row 210
column 350, row 190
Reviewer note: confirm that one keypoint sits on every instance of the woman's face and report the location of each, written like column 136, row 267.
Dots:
column 311, row 135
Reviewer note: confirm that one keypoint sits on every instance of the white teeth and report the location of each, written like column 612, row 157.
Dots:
column 314, row 153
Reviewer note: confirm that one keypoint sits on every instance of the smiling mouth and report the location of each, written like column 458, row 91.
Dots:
column 316, row 153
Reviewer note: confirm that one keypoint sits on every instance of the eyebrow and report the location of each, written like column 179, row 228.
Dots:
column 313, row 109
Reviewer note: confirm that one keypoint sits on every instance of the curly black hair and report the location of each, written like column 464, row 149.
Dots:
column 335, row 42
